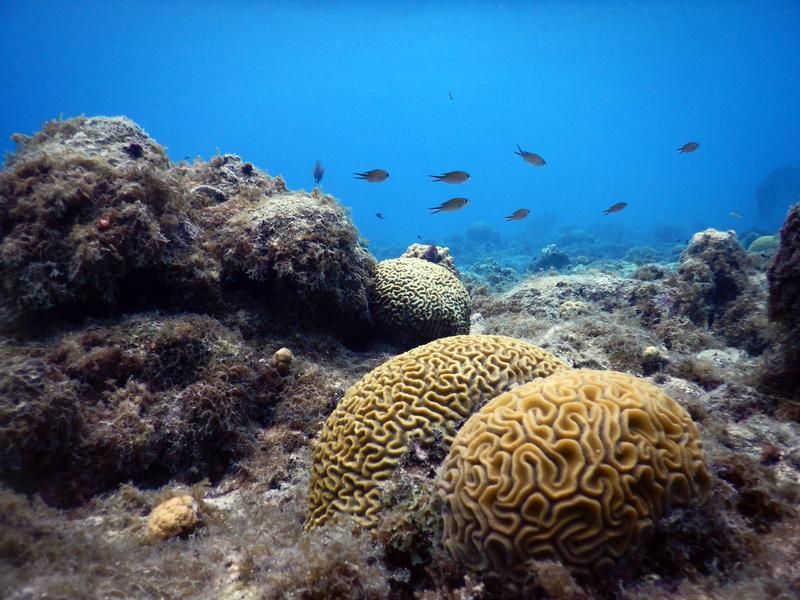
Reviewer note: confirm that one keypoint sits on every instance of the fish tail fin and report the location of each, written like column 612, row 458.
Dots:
column 607, row 212
column 359, row 175
column 435, row 209
column 519, row 151
column 681, row 150
column 437, row 177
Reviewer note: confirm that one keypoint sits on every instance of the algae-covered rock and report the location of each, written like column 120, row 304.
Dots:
column 118, row 141
column 92, row 221
column 716, row 287
column 95, row 220
column 783, row 367
column 147, row 399
column 301, row 254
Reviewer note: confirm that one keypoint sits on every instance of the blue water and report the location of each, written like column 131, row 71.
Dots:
column 604, row 91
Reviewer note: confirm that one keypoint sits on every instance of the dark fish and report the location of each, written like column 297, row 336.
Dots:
column 318, row 172
column 615, row 208
column 452, row 177
column 451, row 205
column 450, row 94
column 529, row 157
column 688, row 147
column 518, row 214
column 373, row 176
column 380, row 215
column 419, row 237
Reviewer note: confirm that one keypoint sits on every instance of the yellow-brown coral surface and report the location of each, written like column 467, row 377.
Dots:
column 416, row 300
column 573, row 468
column 413, row 396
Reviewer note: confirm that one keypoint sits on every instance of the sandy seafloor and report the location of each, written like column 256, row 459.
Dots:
column 143, row 302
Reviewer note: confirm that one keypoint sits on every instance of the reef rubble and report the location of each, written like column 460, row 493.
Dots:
column 177, row 335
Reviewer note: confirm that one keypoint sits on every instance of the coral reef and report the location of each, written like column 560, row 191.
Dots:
column 575, row 467
column 490, row 274
column 415, row 301
column 641, row 255
column 145, row 314
column 418, row 396
column 482, row 233
column 550, row 257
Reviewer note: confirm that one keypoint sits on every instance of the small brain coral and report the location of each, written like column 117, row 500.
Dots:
column 573, row 468
column 416, row 301
column 418, row 395
column 572, row 308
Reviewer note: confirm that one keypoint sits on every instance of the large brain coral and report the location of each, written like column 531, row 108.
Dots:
column 417, row 301
column 414, row 396
column 573, row 468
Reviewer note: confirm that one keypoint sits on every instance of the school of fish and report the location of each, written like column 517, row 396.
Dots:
column 456, row 177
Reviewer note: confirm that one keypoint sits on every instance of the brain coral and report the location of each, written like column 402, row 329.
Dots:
column 417, row 301
column 573, row 467
column 413, row 396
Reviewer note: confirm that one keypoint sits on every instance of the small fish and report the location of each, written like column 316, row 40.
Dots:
column 616, row 208
column 318, row 172
column 451, row 205
column 450, row 94
column 452, row 177
column 380, row 215
column 419, row 237
column 735, row 215
column 688, row 147
column 518, row 214
column 373, row 176
column 529, row 157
